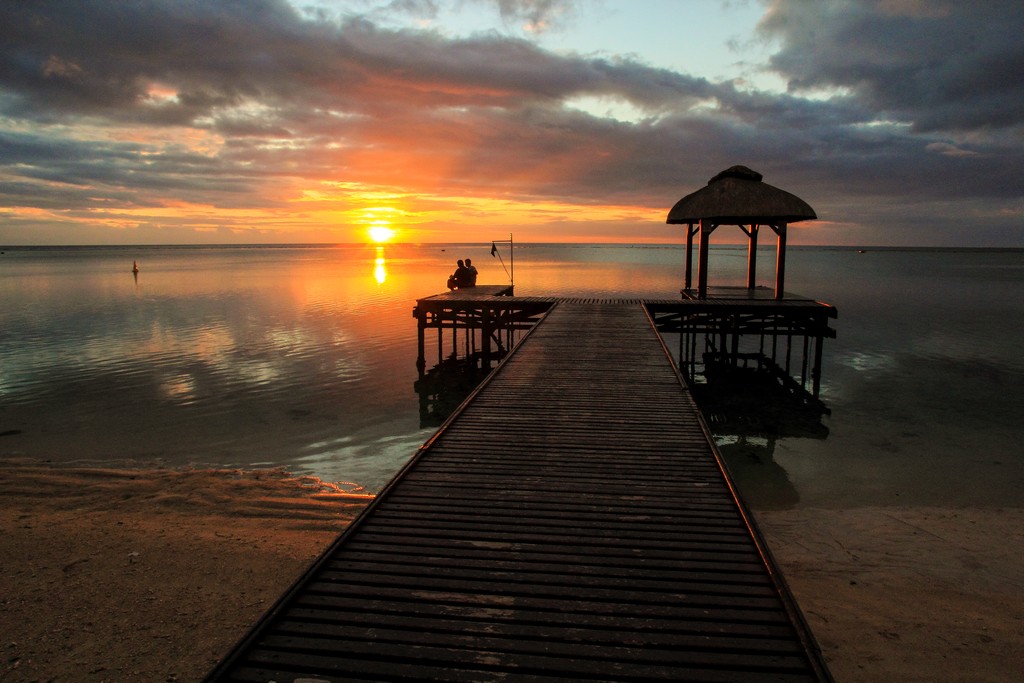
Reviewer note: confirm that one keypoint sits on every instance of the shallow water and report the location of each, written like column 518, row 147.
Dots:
column 304, row 357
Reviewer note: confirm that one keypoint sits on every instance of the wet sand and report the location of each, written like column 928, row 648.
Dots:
column 152, row 575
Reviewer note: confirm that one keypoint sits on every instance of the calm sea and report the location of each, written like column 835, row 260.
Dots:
column 305, row 358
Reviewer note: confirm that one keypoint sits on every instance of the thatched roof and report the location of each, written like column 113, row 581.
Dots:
column 736, row 196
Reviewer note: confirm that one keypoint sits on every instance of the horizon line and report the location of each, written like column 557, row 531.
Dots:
column 273, row 245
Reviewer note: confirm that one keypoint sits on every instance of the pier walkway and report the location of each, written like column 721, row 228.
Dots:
column 570, row 522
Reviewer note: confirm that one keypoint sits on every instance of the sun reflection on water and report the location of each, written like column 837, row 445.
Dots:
column 380, row 273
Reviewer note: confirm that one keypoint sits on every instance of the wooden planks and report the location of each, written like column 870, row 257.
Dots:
column 570, row 523
column 467, row 294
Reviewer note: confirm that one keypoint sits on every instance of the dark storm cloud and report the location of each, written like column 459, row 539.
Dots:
column 219, row 55
column 287, row 98
column 102, row 58
column 939, row 65
column 71, row 174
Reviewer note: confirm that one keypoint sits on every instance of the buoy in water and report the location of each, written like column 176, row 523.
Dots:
column 135, row 266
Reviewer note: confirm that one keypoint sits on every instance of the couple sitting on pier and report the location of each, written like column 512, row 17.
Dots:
column 464, row 276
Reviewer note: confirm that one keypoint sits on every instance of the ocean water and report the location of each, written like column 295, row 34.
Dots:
column 304, row 358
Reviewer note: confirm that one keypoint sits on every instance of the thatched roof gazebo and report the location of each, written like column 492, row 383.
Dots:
column 736, row 196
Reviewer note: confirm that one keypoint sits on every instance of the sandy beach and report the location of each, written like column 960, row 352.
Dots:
column 153, row 574
column 149, row 575
column 908, row 594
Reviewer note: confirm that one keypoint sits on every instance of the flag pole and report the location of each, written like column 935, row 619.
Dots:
column 512, row 262
column 511, row 270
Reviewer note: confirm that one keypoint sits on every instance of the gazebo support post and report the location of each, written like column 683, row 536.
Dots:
column 688, row 279
column 780, row 260
column 751, row 254
column 706, row 228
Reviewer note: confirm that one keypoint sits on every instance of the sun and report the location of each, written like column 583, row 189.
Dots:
column 381, row 233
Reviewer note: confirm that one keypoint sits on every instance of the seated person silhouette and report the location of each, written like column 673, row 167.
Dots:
column 460, row 278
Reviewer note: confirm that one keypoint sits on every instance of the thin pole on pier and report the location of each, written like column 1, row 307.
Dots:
column 511, row 271
column 816, row 370
column 512, row 261
column 789, row 349
column 780, row 260
column 421, row 347
column 688, row 275
column 803, row 363
column 706, row 228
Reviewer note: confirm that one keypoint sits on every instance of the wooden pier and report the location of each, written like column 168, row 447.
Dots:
column 733, row 327
column 571, row 521
column 488, row 316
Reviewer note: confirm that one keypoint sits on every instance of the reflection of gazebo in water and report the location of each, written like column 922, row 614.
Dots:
column 749, row 413
column 736, row 196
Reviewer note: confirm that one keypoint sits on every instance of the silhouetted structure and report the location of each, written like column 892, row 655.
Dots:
column 737, row 196
column 488, row 316
column 727, row 317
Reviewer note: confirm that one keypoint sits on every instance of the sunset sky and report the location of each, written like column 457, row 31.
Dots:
column 251, row 121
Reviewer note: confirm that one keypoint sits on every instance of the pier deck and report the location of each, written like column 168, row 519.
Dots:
column 570, row 522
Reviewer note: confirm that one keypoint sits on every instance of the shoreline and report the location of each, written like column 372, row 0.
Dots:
column 154, row 574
